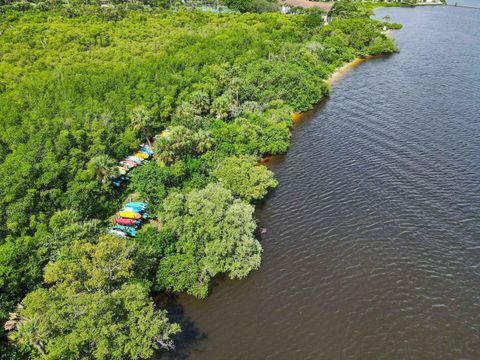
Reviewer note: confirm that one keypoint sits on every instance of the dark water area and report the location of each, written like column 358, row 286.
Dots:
column 372, row 239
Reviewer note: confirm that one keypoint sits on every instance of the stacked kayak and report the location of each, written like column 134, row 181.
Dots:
column 144, row 153
column 128, row 219
column 164, row 134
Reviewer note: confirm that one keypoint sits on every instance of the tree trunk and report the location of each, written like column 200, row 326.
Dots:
column 40, row 348
column 147, row 138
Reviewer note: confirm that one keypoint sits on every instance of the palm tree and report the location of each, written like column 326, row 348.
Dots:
column 164, row 151
column 203, row 141
column 141, row 121
column 28, row 331
column 103, row 165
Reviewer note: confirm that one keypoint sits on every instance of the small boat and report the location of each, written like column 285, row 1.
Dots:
column 136, row 203
column 166, row 133
column 129, row 164
column 129, row 215
column 122, row 170
column 146, row 146
column 117, row 181
column 116, row 232
column 134, row 206
column 142, row 155
column 127, row 222
column 126, row 229
column 133, row 210
column 135, row 159
column 146, row 150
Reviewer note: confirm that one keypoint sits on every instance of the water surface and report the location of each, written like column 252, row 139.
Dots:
column 372, row 239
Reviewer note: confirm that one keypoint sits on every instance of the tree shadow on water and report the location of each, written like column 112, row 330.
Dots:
column 188, row 340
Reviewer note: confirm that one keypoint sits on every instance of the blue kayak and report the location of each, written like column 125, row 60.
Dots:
column 136, row 209
column 136, row 203
column 135, row 159
column 146, row 151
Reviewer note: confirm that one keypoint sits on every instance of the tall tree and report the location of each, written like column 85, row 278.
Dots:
column 142, row 121
column 103, row 165
column 28, row 331
column 215, row 235
column 94, row 307
column 244, row 177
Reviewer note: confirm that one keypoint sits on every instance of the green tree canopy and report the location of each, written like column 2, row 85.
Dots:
column 214, row 234
column 93, row 307
column 182, row 142
column 244, row 177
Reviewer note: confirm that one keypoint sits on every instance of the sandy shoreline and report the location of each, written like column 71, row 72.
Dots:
column 338, row 74
column 344, row 69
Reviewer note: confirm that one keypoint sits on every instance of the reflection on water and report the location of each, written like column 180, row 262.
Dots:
column 372, row 242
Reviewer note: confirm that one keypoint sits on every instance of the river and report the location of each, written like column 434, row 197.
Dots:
column 372, row 239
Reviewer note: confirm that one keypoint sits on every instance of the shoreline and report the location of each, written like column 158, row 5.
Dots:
column 339, row 73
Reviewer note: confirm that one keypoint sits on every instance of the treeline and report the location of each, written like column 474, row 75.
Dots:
column 116, row 9
column 78, row 92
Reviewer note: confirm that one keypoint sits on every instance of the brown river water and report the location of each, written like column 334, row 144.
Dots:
column 372, row 240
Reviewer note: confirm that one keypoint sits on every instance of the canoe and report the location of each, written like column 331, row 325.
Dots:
column 142, row 155
column 127, row 222
column 129, row 215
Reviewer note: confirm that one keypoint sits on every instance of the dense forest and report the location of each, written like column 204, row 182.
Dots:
column 81, row 87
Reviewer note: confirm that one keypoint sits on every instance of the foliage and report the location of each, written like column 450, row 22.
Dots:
column 151, row 182
column 245, row 178
column 182, row 142
column 214, row 234
column 254, row 6
column 93, row 306
column 81, row 85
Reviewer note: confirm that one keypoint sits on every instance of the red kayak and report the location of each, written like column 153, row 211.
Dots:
column 123, row 221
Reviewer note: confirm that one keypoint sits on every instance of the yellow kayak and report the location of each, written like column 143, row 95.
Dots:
column 129, row 215
column 141, row 155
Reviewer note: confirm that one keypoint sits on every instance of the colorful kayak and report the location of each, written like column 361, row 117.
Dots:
column 129, row 164
column 118, row 181
column 142, row 155
column 127, row 222
column 122, row 170
column 135, row 159
column 146, row 150
column 136, row 203
column 146, row 146
column 129, row 215
column 126, row 229
column 133, row 210
column 166, row 133
column 116, row 232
